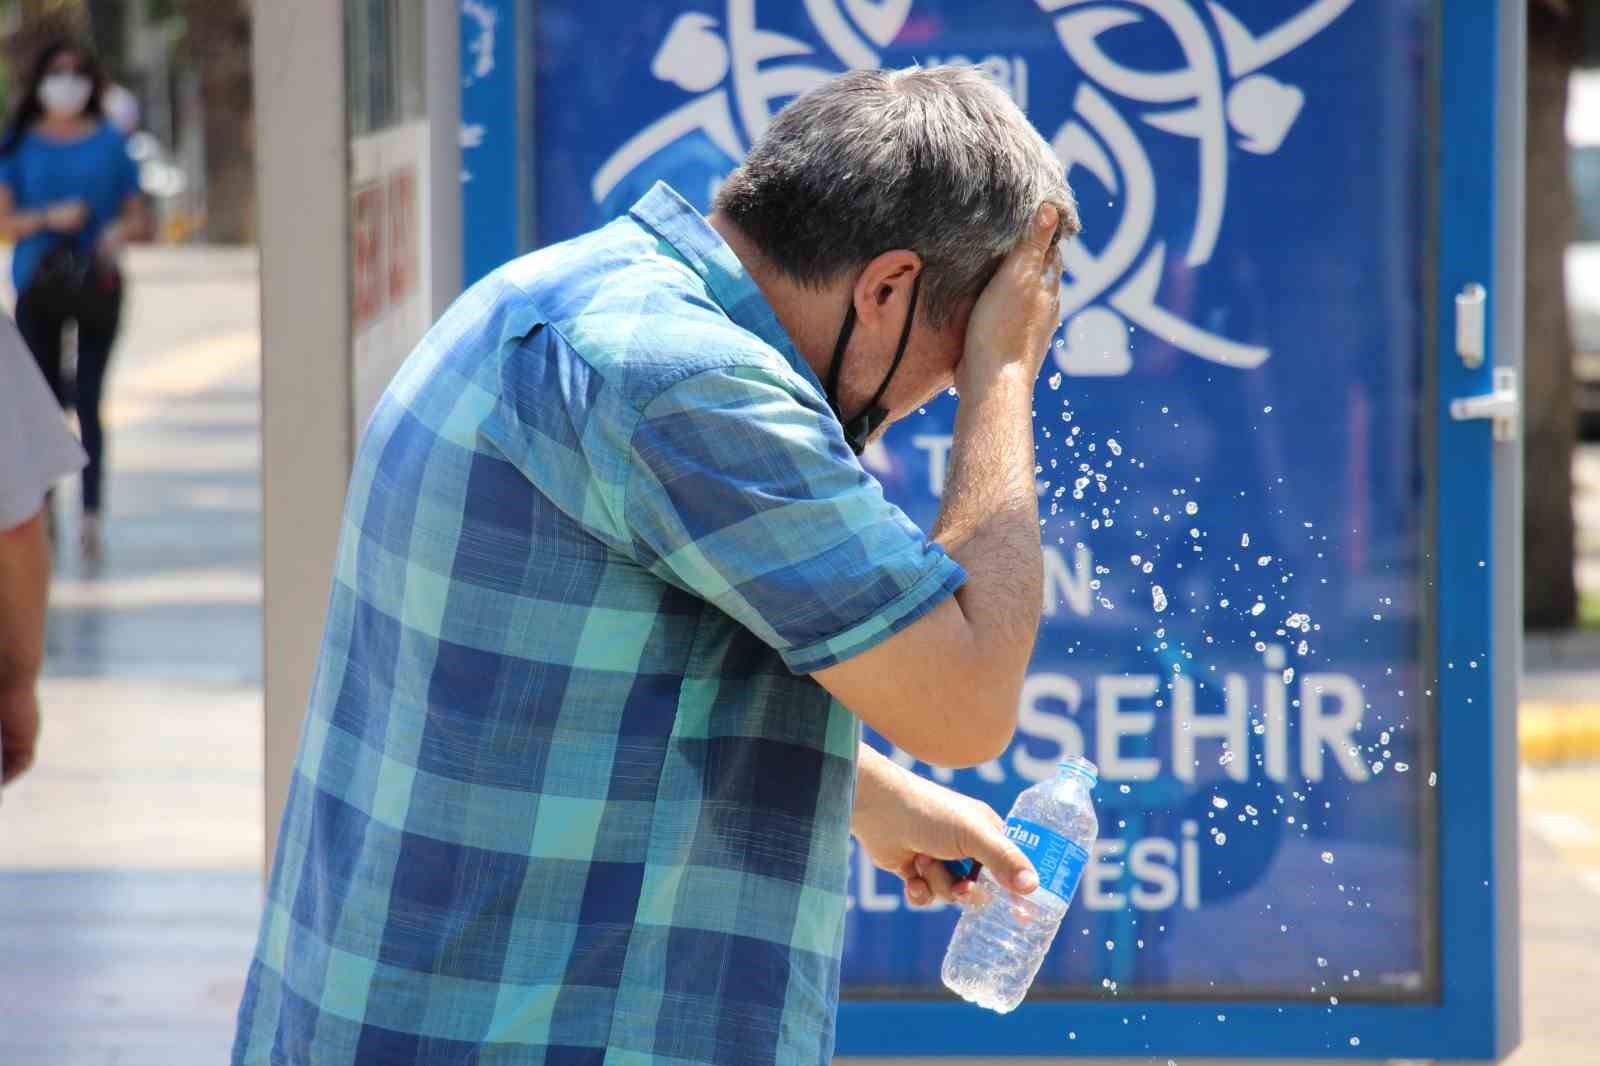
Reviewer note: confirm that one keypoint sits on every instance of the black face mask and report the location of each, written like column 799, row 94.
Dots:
column 859, row 429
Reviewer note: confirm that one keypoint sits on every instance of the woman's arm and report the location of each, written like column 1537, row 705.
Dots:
column 17, row 225
column 68, row 216
column 133, row 224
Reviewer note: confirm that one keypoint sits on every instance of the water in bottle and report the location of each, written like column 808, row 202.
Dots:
column 1002, row 937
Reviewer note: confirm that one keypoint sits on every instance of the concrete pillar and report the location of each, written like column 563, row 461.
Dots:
column 306, row 438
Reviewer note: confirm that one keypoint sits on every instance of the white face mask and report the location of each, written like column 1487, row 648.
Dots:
column 65, row 95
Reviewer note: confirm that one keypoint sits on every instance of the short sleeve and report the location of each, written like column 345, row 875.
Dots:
column 36, row 448
column 9, row 174
column 742, row 491
column 127, row 173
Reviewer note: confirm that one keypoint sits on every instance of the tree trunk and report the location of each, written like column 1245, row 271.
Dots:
column 217, row 42
column 43, row 21
column 1551, row 597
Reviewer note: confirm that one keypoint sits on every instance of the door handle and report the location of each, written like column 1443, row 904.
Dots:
column 1499, row 406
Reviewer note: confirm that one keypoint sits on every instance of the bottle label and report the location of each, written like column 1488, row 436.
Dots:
column 1058, row 860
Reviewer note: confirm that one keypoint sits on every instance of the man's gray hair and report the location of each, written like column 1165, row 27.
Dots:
column 939, row 161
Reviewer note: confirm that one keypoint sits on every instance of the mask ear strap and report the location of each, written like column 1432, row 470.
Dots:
column 838, row 358
column 900, row 349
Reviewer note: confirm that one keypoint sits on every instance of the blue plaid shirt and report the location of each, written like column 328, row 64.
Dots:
column 565, row 794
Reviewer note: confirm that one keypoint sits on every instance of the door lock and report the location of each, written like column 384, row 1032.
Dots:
column 1499, row 406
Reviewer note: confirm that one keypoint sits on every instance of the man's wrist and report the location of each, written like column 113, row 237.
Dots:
column 977, row 382
column 876, row 780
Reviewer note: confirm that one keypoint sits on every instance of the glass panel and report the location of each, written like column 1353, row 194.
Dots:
column 1230, row 443
column 383, row 63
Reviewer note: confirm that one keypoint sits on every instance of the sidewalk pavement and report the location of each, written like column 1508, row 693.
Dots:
column 129, row 857
column 1559, row 719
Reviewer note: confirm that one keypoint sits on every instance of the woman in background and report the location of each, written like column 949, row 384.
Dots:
column 69, row 199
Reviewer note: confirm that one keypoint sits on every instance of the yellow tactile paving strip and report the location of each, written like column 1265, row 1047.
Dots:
column 1549, row 733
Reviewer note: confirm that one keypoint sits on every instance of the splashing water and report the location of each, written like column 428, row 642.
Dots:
column 1158, row 598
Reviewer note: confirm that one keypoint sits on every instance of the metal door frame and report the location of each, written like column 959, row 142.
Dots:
column 1478, row 205
column 1478, row 221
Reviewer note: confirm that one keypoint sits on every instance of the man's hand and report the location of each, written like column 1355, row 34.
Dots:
column 907, row 824
column 1018, row 310
column 19, row 729
column 24, row 591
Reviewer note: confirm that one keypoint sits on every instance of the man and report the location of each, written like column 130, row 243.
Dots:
column 36, row 451
column 614, row 596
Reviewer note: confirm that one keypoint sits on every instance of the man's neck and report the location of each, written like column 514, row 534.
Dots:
column 811, row 317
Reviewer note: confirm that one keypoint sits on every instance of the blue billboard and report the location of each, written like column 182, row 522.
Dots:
column 1238, row 474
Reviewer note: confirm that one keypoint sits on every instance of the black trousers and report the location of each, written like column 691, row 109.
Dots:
column 42, row 330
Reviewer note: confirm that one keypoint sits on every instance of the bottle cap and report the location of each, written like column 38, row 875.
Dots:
column 1081, row 767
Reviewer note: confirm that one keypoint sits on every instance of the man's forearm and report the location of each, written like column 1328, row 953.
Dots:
column 24, row 591
column 989, row 519
column 875, row 781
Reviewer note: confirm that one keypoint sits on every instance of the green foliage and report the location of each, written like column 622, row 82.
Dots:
column 1589, row 609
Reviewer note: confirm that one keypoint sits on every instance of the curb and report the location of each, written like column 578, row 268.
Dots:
column 1550, row 733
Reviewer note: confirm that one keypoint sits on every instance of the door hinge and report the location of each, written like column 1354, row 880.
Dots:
column 1499, row 406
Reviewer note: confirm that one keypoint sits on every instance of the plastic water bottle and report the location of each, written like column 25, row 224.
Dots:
column 1001, row 939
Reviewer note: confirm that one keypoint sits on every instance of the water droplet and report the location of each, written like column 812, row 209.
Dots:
column 1055, row 379
column 1225, row 758
column 1355, row 1041
column 1191, row 508
column 1116, row 449
column 1244, row 541
column 1327, row 857
column 1433, row 779
column 1267, row 410
column 1148, row 566
column 1263, row 560
column 1250, row 810
column 1125, row 790
column 1222, row 838
column 1258, row 608
column 1158, row 598
column 1322, row 962
column 1219, row 802
column 1401, row 767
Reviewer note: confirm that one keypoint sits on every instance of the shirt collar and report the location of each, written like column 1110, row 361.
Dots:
column 676, row 221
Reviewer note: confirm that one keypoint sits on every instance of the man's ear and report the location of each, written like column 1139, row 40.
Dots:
column 882, row 292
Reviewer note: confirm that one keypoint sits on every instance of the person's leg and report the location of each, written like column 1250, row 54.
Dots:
column 41, row 332
column 94, row 353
